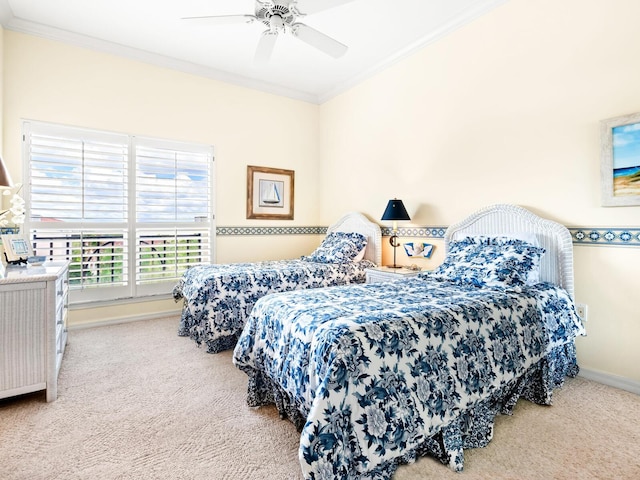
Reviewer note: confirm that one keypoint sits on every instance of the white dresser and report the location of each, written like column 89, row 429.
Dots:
column 33, row 328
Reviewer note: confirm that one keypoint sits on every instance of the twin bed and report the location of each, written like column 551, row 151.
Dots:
column 218, row 298
column 376, row 375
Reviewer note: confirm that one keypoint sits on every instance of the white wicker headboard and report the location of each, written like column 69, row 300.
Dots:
column 556, row 265
column 357, row 222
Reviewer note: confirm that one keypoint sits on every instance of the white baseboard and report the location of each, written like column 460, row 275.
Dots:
column 622, row 383
column 130, row 318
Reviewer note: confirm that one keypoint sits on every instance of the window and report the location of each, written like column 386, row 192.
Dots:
column 130, row 214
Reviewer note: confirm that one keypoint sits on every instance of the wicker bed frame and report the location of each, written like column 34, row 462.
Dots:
column 556, row 265
column 358, row 223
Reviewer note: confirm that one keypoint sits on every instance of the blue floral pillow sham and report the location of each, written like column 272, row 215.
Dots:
column 490, row 261
column 338, row 247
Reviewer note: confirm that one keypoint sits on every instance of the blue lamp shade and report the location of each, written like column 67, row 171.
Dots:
column 395, row 211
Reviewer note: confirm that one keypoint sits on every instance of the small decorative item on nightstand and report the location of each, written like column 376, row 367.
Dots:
column 388, row 274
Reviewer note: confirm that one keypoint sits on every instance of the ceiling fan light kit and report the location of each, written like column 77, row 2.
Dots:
column 282, row 16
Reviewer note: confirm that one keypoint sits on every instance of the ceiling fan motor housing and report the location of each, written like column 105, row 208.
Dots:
column 276, row 14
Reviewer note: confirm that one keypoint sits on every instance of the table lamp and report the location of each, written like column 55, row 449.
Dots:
column 395, row 211
column 5, row 178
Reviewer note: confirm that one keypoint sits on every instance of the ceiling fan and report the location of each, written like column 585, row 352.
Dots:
column 282, row 16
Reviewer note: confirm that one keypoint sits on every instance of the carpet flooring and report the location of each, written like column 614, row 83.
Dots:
column 138, row 402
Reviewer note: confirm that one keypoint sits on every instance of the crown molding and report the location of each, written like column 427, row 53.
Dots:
column 50, row 33
column 10, row 22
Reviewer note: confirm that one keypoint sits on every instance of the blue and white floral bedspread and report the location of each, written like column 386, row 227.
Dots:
column 218, row 298
column 379, row 369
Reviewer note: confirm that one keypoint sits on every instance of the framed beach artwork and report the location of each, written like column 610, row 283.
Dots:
column 270, row 193
column 620, row 160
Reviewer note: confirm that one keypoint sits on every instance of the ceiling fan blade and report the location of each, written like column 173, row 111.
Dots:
column 312, row 6
column 221, row 19
column 265, row 47
column 319, row 40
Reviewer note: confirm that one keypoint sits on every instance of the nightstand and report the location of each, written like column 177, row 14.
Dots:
column 386, row 274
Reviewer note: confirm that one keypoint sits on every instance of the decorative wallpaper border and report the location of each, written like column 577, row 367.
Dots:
column 432, row 232
column 244, row 231
column 604, row 236
column 629, row 237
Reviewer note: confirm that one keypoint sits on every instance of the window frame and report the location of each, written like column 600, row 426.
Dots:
column 132, row 289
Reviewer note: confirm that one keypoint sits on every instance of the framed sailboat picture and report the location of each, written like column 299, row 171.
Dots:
column 269, row 193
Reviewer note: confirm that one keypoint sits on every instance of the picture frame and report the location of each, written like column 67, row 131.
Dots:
column 418, row 249
column 620, row 160
column 16, row 248
column 270, row 193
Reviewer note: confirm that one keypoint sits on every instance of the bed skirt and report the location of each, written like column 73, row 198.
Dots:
column 472, row 429
column 201, row 335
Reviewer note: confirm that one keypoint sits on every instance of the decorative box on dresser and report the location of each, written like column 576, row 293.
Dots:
column 33, row 327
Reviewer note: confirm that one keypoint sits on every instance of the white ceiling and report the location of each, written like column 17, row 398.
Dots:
column 377, row 32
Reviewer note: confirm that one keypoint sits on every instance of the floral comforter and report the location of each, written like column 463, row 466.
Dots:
column 375, row 375
column 218, row 298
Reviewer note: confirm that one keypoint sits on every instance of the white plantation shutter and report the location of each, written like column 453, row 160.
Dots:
column 129, row 213
column 166, row 254
column 76, row 176
column 172, row 184
column 98, row 258
column 173, row 187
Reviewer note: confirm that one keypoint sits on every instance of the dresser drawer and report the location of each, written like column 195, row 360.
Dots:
column 61, row 313
column 62, row 290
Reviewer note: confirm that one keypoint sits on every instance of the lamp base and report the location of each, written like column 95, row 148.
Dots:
column 394, row 266
column 393, row 240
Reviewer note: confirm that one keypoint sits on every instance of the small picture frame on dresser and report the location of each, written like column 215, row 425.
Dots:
column 15, row 249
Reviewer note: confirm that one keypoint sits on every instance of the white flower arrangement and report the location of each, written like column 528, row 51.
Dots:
column 14, row 216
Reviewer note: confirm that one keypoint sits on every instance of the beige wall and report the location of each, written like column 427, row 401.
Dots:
column 1, row 87
column 505, row 110
column 54, row 82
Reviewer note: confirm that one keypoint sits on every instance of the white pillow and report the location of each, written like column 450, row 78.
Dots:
column 360, row 255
